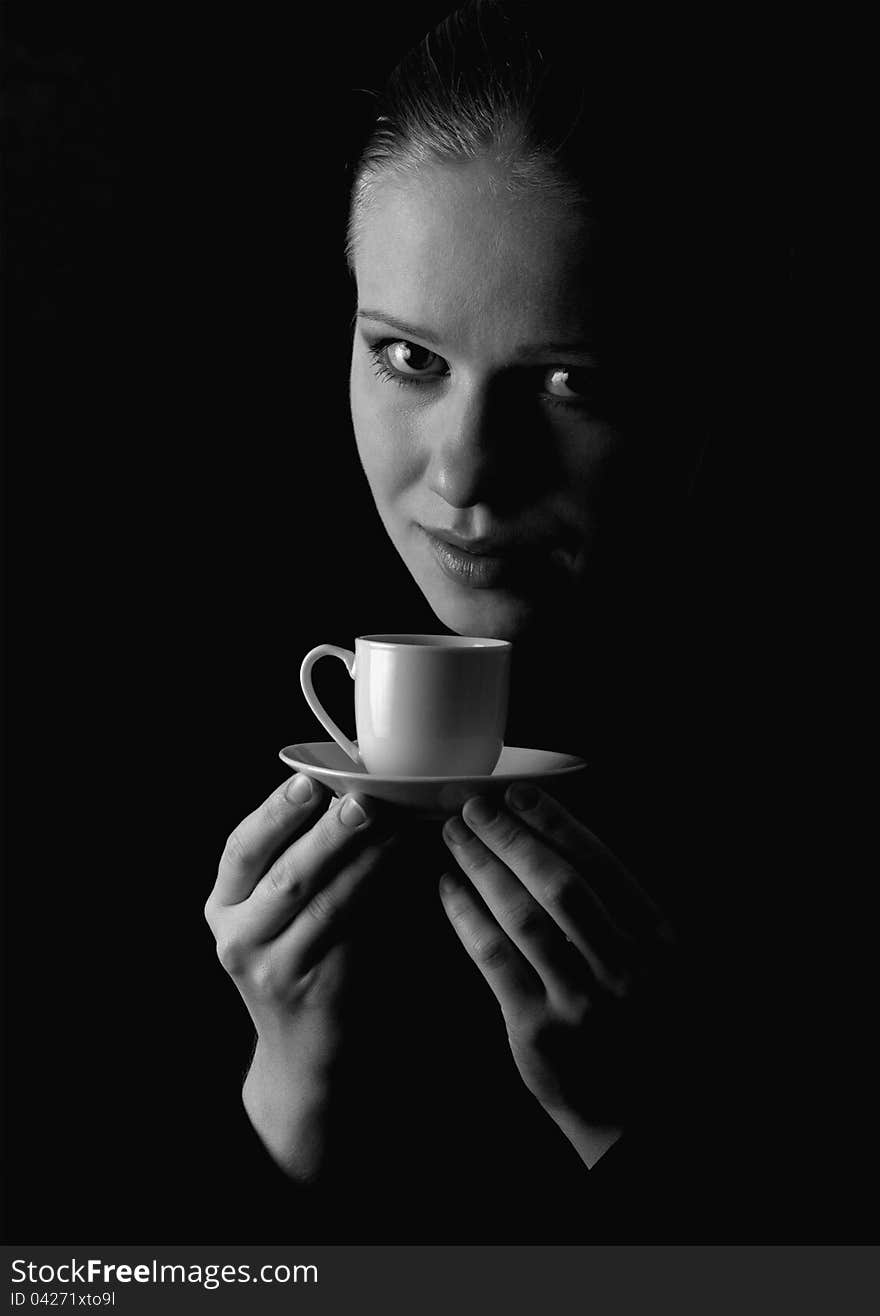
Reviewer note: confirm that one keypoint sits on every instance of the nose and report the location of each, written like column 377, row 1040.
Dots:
column 464, row 451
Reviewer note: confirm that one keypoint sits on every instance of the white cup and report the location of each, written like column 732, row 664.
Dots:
column 425, row 705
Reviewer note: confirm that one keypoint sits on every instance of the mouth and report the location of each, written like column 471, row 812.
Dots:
column 488, row 563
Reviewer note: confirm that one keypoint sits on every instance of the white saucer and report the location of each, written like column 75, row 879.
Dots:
column 432, row 797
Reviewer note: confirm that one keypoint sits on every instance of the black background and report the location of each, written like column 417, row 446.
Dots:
column 186, row 517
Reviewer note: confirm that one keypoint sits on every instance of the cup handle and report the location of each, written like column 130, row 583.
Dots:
column 305, row 678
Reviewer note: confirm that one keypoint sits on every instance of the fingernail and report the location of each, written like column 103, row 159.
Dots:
column 457, row 832
column 522, row 796
column 448, row 884
column 480, row 810
column 299, row 790
column 351, row 814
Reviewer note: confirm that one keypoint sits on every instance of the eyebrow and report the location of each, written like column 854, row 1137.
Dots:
column 525, row 351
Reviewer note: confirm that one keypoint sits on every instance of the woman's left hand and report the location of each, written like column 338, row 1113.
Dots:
column 580, row 959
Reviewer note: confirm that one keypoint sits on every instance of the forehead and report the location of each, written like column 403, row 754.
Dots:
column 451, row 249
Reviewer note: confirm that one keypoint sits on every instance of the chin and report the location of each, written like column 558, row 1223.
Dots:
column 495, row 614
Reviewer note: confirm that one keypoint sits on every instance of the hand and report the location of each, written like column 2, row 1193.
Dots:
column 288, row 882
column 580, row 960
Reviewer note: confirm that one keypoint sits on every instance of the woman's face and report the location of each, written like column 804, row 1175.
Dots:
column 475, row 394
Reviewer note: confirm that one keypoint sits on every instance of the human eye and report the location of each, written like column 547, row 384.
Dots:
column 405, row 363
column 572, row 386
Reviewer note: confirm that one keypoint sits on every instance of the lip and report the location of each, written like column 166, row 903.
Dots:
column 477, row 563
column 488, row 546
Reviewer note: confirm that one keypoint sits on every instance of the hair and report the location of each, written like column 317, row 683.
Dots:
column 497, row 78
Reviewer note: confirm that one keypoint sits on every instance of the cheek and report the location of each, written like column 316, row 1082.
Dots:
column 588, row 460
column 383, row 436
column 614, row 493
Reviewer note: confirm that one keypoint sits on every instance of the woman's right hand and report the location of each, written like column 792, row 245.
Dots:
column 289, row 878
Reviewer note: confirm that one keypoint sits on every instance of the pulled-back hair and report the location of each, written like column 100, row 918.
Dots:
column 496, row 77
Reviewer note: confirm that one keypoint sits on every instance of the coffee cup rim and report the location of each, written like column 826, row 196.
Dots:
column 450, row 643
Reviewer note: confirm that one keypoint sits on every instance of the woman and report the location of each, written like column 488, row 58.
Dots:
column 529, row 281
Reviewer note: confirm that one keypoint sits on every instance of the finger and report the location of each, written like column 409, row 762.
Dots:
column 258, row 837
column 626, row 901
column 513, row 981
column 326, row 919
column 305, row 867
column 567, row 967
column 539, row 895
